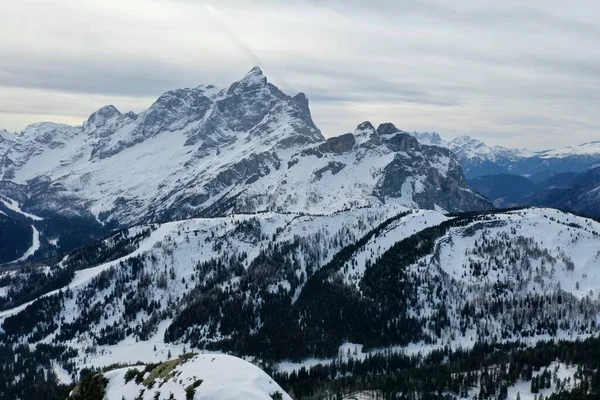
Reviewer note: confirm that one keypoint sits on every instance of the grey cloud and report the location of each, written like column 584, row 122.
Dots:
column 513, row 13
column 119, row 76
column 505, row 71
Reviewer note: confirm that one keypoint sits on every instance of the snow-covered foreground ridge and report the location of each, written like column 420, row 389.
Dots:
column 288, row 286
column 190, row 377
column 171, row 262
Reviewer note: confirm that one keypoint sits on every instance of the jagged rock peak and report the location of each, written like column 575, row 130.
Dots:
column 338, row 144
column 105, row 112
column 302, row 101
column 102, row 115
column 187, row 97
column 255, row 71
column 365, row 126
column 254, row 77
column 387, row 128
column 434, row 137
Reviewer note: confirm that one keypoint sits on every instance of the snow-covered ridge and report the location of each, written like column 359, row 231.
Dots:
column 589, row 148
column 182, row 247
column 199, row 377
column 398, row 230
column 509, row 258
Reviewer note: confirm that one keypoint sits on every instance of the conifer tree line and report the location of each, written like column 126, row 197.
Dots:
column 484, row 372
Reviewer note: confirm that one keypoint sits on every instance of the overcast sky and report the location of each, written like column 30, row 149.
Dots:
column 514, row 73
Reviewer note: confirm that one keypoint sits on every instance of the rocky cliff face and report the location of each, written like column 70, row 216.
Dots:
column 205, row 152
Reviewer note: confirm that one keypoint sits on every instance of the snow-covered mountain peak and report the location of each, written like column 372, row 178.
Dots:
column 188, row 99
column 366, row 135
column 38, row 128
column 430, row 139
column 470, row 148
column 397, row 139
column 4, row 134
column 254, row 110
column 477, row 158
column 209, row 90
column 253, row 80
column 465, row 140
column 366, row 126
column 387, row 128
column 105, row 116
column 255, row 72
column 108, row 111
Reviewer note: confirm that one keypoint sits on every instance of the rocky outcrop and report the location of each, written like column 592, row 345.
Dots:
column 338, row 144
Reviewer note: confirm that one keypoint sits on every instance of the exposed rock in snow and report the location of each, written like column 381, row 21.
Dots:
column 199, row 377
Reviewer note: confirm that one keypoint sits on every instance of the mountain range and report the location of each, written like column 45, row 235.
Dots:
column 478, row 159
column 565, row 178
column 577, row 192
column 138, row 249
column 206, row 152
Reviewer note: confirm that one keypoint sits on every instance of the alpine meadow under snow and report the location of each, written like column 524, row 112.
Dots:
column 169, row 254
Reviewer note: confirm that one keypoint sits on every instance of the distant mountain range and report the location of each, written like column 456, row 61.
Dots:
column 565, row 178
column 479, row 159
column 577, row 192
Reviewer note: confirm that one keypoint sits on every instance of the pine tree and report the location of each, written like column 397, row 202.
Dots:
column 534, row 385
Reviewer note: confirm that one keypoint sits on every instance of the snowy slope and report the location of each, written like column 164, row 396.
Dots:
column 218, row 377
column 568, row 240
column 13, row 211
column 14, row 206
column 173, row 256
column 510, row 257
column 35, row 245
column 528, row 275
column 398, row 230
column 525, row 275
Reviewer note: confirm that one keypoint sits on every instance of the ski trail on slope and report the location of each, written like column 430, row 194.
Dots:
column 35, row 246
